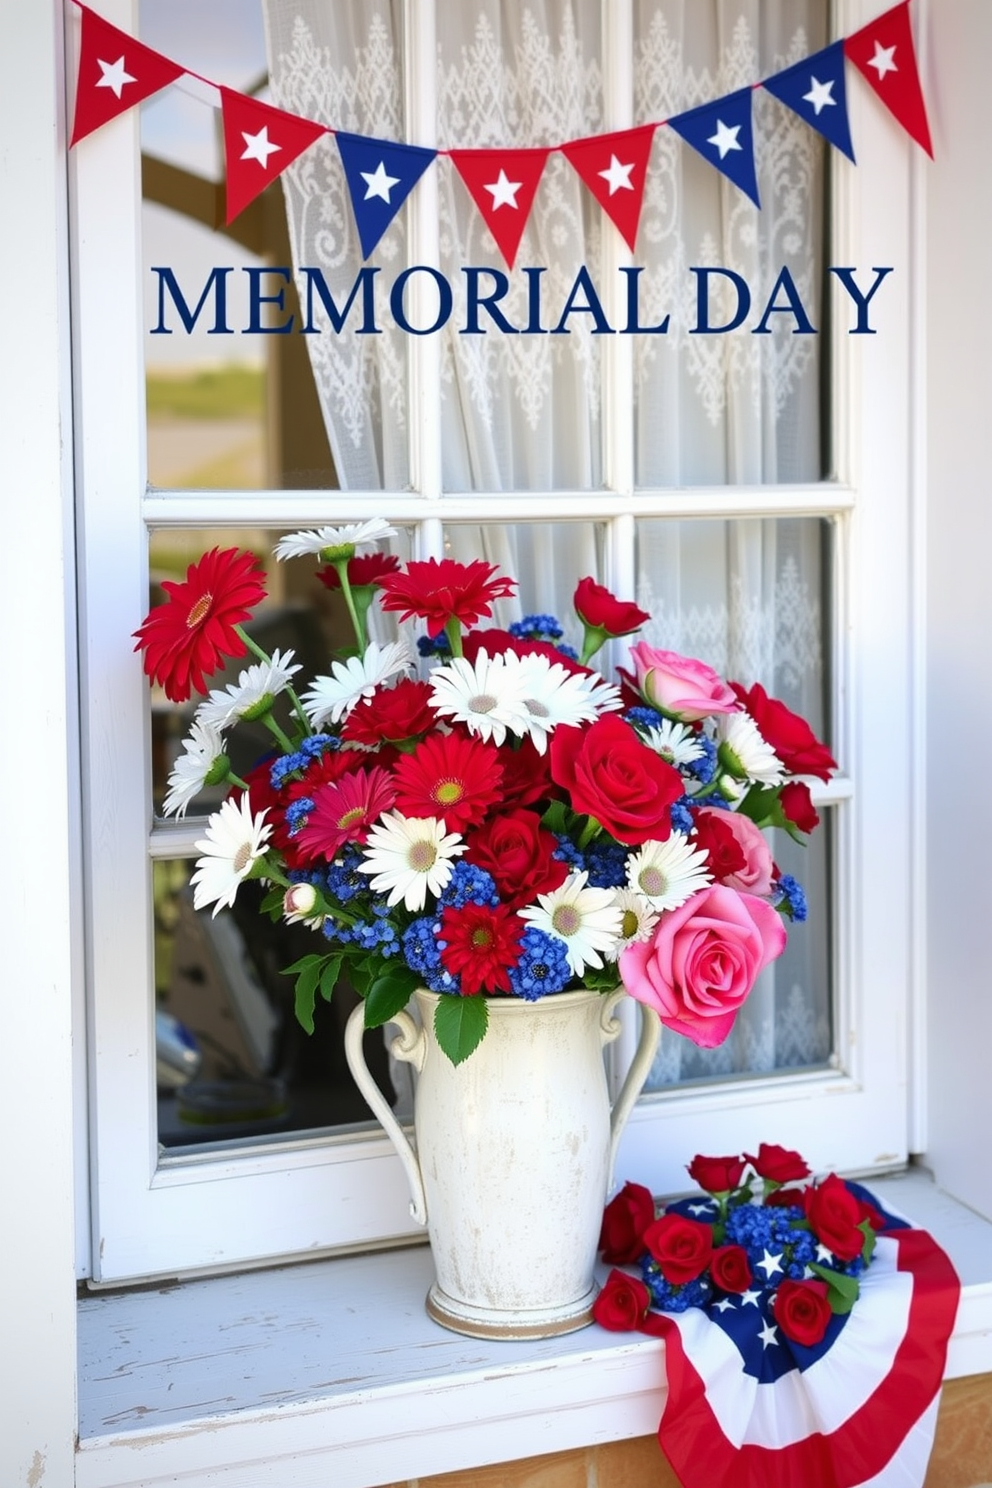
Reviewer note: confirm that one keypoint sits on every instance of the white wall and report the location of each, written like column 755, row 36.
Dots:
column 958, row 47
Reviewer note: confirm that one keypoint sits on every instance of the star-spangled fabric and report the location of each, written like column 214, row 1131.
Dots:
column 814, row 89
column 723, row 135
column 380, row 176
column 503, row 184
column 614, row 167
column 884, row 54
column 115, row 73
column 259, row 142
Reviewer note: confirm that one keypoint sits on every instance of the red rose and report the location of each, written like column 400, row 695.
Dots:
column 597, row 607
column 516, row 850
column 797, row 805
column 682, row 1247
column 625, row 1219
column 802, row 1311
column 716, row 1174
column 778, row 1164
column 393, row 714
column 494, row 642
column 730, row 1268
column 526, row 776
column 789, row 735
column 715, row 835
column 622, row 1304
column 614, row 778
column 786, row 1198
column 834, row 1214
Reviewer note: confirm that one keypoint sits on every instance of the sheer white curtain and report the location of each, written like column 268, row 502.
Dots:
column 524, row 411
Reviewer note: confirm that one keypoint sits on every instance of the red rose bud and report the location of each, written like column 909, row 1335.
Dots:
column 802, row 1311
column 730, row 1268
column 715, row 836
column 716, row 1175
column 778, row 1164
column 797, row 806
column 786, row 1198
column 625, row 1219
column 834, row 1214
column 786, row 733
column 597, row 608
column 682, row 1247
column 622, row 1304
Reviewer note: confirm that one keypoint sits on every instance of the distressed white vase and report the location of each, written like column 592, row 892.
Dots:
column 514, row 1156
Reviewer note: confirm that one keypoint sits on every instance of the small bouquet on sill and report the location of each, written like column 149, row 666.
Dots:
column 485, row 814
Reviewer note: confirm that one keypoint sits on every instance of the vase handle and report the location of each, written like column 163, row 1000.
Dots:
column 640, row 1067
column 410, row 1047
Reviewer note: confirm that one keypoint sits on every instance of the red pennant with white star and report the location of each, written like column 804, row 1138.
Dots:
column 115, row 73
column 503, row 184
column 259, row 142
column 614, row 167
column 884, row 54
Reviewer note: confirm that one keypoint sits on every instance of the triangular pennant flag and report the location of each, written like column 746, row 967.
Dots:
column 259, row 142
column 814, row 89
column 381, row 175
column 722, row 134
column 614, row 167
column 503, row 184
column 115, row 73
column 883, row 52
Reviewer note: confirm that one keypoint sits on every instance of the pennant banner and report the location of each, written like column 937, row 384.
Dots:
column 722, row 134
column 259, row 142
column 884, row 54
column 503, row 184
column 615, row 167
column 814, row 89
column 115, row 73
column 380, row 177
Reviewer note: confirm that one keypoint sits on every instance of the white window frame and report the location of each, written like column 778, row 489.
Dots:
column 155, row 1216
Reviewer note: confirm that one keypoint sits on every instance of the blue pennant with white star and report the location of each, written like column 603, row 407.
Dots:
column 380, row 174
column 722, row 134
column 814, row 89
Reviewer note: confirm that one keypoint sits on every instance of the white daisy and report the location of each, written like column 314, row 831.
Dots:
column 252, row 695
column 588, row 921
column 408, row 856
column 553, row 695
column 234, row 843
column 328, row 542
column 638, row 922
column 204, row 762
column 668, row 873
column 674, row 741
column 484, row 695
column 739, row 734
column 332, row 698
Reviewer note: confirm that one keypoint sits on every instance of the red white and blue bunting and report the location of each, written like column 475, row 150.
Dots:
column 116, row 72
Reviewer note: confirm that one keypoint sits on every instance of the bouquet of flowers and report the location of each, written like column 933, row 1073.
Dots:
column 507, row 822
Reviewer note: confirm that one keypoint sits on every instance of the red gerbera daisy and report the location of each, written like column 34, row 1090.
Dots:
column 344, row 812
column 480, row 945
column 394, row 714
column 192, row 633
column 453, row 776
column 364, row 570
column 441, row 590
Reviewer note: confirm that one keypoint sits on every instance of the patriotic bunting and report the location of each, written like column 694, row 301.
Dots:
column 884, row 54
column 814, row 89
column 380, row 177
column 115, row 73
column 259, row 142
column 614, row 167
column 722, row 134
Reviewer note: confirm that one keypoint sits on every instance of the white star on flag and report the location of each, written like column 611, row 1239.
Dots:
column 725, row 138
column 699, row 1208
column 768, row 1334
column 819, row 94
column 882, row 60
column 824, row 1254
column 723, row 1305
column 770, row 1263
column 749, row 1297
column 114, row 76
column 258, row 146
column 617, row 177
column 378, row 183
column 504, row 192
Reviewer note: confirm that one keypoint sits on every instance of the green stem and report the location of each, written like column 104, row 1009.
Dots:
column 453, row 630
column 297, row 706
column 589, row 831
column 274, row 728
column 358, row 624
column 232, row 779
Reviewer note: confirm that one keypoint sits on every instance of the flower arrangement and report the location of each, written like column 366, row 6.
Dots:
column 510, row 823
column 789, row 1249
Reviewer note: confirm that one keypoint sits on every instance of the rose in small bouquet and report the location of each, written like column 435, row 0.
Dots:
column 503, row 822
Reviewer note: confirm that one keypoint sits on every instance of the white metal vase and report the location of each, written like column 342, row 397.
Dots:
column 514, row 1156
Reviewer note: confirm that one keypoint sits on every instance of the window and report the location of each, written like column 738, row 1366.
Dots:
column 623, row 471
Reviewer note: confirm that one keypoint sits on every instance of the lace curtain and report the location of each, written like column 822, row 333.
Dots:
column 524, row 411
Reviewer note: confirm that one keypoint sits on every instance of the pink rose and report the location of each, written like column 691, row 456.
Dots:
column 680, row 686
column 702, row 961
column 759, row 870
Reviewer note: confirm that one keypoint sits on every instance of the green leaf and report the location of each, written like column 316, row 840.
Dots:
column 555, row 818
column 313, row 959
column 388, row 994
column 361, row 974
column 306, row 990
column 329, row 975
column 460, row 1024
column 868, row 1248
column 842, row 1290
column 272, row 903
